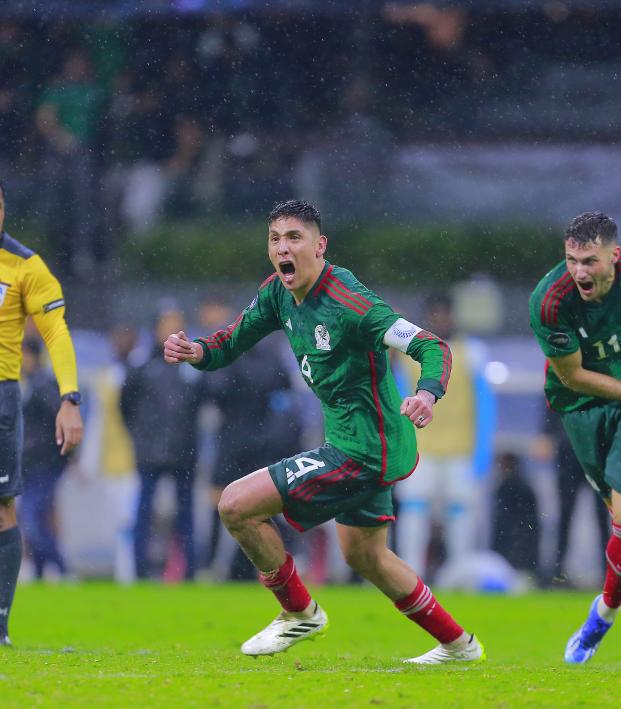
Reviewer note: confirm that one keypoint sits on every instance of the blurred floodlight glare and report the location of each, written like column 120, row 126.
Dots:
column 496, row 372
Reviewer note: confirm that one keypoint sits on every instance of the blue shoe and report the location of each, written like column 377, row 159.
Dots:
column 584, row 642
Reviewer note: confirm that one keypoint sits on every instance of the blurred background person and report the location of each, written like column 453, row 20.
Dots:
column 455, row 454
column 553, row 446
column 164, row 444
column 68, row 117
column 259, row 420
column 42, row 464
column 515, row 530
column 107, row 453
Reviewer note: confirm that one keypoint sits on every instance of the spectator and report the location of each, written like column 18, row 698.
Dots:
column 68, row 115
column 42, row 462
column 164, row 442
column 516, row 528
column 455, row 455
column 553, row 445
column 109, row 448
column 139, row 135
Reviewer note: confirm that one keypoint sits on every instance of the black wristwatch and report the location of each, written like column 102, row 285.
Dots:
column 73, row 396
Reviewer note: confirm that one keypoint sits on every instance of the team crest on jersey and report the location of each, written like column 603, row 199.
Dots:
column 4, row 287
column 322, row 338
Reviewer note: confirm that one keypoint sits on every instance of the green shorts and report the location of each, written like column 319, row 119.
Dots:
column 324, row 483
column 595, row 436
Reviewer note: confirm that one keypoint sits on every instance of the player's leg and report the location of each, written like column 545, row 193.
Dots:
column 611, row 596
column 10, row 561
column 246, row 508
column 11, row 441
column 584, row 643
column 596, row 438
column 365, row 550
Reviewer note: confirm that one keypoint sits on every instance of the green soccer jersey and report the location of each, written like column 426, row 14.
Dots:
column 337, row 335
column 564, row 323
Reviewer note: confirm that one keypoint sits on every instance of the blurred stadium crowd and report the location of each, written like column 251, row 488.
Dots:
column 110, row 125
column 114, row 123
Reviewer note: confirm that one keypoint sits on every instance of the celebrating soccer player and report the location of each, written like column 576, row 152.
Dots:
column 339, row 331
column 27, row 288
column 575, row 312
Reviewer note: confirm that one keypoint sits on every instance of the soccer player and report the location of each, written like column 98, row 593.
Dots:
column 575, row 312
column 339, row 331
column 27, row 288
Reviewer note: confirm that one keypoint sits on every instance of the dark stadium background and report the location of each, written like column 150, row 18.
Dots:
column 446, row 144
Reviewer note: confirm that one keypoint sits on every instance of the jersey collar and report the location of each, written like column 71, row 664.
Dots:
column 327, row 269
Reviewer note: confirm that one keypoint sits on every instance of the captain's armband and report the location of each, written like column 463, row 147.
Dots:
column 400, row 334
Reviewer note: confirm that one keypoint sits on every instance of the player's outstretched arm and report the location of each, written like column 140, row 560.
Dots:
column 419, row 408
column 573, row 375
column 178, row 348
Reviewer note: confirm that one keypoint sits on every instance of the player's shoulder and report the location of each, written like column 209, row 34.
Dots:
column 15, row 247
column 269, row 294
column 553, row 292
column 341, row 286
column 551, row 280
column 269, row 282
column 271, row 289
column 345, row 277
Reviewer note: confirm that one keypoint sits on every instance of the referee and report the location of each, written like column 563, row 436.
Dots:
column 27, row 288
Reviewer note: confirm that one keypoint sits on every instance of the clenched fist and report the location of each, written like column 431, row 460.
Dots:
column 178, row 348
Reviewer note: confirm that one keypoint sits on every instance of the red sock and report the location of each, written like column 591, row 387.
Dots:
column 421, row 607
column 612, row 583
column 287, row 586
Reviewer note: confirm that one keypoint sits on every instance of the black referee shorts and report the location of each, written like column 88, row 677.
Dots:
column 11, row 439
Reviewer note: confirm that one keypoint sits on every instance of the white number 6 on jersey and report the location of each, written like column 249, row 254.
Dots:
column 306, row 369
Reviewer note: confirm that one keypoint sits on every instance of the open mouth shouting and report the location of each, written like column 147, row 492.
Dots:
column 287, row 271
column 586, row 287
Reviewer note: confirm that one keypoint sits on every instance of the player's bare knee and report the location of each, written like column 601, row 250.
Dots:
column 230, row 507
column 360, row 559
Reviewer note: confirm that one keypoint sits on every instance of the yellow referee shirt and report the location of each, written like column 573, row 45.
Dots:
column 28, row 288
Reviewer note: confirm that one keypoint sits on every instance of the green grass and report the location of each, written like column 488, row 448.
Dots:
column 178, row 646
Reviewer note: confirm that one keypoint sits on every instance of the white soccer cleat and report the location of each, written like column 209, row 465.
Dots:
column 440, row 655
column 286, row 630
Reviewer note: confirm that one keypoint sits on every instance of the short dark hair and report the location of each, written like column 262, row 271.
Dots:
column 589, row 226
column 304, row 211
